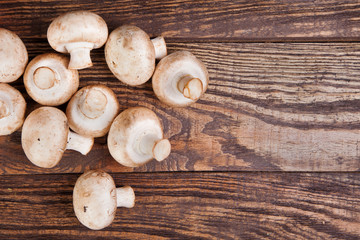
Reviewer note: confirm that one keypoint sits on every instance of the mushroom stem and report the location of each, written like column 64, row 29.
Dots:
column 79, row 143
column 158, row 149
column 147, row 144
column 161, row 150
column 79, row 54
column 4, row 110
column 93, row 104
column 190, row 87
column 160, row 47
column 44, row 78
column 125, row 197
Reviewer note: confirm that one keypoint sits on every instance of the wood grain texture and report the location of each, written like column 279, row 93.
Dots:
column 191, row 206
column 269, row 106
column 227, row 20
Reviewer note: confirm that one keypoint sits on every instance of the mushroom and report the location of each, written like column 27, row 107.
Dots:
column 48, row 81
column 180, row 79
column 136, row 136
column 91, row 110
column 45, row 136
column 13, row 56
column 130, row 54
column 95, row 199
column 77, row 33
column 12, row 109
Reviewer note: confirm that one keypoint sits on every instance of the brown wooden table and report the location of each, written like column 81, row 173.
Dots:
column 271, row 151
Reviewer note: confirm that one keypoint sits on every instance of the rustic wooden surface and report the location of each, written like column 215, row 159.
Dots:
column 228, row 20
column 269, row 106
column 284, row 97
column 191, row 206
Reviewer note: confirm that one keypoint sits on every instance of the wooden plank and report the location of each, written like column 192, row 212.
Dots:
column 191, row 206
column 223, row 19
column 269, row 106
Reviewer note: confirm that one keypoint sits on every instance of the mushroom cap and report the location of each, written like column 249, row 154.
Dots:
column 98, row 125
column 170, row 70
column 48, row 80
column 12, row 109
column 130, row 55
column 77, row 26
column 126, row 132
column 13, row 55
column 44, row 136
column 94, row 199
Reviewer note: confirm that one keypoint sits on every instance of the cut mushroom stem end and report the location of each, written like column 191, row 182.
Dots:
column 125, row 197
column 79, row 54
column 160, row 47
column 158, row 149
column 190, row 87
column 161, row 150
column 79, row 143
column 44, row 78
column 93, row 104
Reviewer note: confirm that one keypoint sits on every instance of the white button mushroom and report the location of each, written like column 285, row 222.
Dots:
column 180, row 79
column 91, row 110
column 130, row 54
column 136, row 136
column 48, row 80
column 45, row 136
column 95, row 199
column 13, row 56
column 12, row 109
column 77, row 33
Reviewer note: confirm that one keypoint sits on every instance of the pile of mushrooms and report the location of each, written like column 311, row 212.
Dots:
column 135, row 136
